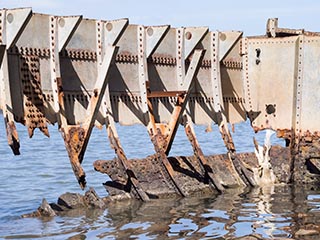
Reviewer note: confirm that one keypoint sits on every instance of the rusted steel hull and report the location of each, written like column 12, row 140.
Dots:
column 156, row 183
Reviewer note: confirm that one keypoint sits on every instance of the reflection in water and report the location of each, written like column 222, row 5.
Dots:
column 273, row 212
column 281, row 212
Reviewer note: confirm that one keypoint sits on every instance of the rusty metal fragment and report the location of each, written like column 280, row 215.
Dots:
column 12, row 137
column 306, row 159
column 75, row 141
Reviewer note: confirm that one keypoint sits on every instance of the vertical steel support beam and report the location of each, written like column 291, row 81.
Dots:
column 298, row 88
column 217, row 93
column 142, row 68
column 298, row 161
column 154, row 132
column 61, row 30
column 245, row 176
column 181, row 67
column 76, row 137
column 153, row 37
column 12, row 23
column 112, row 131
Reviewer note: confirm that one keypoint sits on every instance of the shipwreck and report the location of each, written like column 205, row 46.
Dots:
column 80, row 73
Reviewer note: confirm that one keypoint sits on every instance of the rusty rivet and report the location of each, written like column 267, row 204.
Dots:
column 95, row 91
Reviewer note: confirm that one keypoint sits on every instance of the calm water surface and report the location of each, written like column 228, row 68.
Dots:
column 43, row 171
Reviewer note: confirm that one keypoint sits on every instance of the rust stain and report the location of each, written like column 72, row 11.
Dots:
column 74, row 138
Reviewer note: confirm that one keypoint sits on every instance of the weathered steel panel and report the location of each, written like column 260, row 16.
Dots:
column 310, row 88
column 269, row 81
column 78, row 66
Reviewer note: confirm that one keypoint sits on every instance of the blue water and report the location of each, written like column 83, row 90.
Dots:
column 43, row 171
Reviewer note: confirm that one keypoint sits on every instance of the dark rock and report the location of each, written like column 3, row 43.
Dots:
column 71, row 200
column 92, row 200
column 45, row 209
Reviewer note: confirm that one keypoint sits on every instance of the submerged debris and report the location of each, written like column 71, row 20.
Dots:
column 70, row 201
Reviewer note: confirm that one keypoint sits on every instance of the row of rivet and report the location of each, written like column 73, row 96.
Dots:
column 271, row 41
column 199, row 99
column 232, row 65
column 99, row 39
column 79, row 97
column 69, row 97
column 125, row 98
column 215, row 70
column 79, row 55
column 128, row 58
column 29, row 51
column 299, row 84
column 180, row 56
column 233, row 100
column 143, row 72
column 237, row 65
column 1, row 27
column 246, row 76
column 166, row 61
column 33, row 97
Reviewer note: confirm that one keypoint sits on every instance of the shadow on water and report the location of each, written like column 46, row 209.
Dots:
column 281, row 212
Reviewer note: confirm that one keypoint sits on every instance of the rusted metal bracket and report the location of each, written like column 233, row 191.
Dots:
column 6, row 101
column 12, row 136
column 207, row 170
column 115, row 144
column 274, row 31
column 169, row 130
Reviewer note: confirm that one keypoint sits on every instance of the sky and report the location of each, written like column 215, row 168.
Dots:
column 242, row 15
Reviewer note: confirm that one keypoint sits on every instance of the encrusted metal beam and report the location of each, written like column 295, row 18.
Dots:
column 125, row 164
column 206, row 169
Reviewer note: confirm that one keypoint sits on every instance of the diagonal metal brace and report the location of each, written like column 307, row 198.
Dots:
column 159, row 144
column 244, row 172
column 208, row 171
column 114, row 141
column 180, row 105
